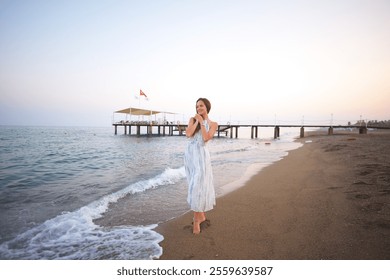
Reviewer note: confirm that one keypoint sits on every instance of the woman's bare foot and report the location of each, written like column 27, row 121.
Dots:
column 196, row 227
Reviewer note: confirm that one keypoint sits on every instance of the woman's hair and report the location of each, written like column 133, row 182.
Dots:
column 208, row 107
column 206, row 102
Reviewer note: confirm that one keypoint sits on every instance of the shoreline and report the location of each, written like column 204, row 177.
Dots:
column 322, row 201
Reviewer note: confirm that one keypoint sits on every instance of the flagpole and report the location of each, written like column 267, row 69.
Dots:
column 129, row 111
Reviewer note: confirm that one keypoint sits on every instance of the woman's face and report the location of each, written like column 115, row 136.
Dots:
column 201, row 108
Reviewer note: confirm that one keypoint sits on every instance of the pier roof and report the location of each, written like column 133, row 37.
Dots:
column 141, row 112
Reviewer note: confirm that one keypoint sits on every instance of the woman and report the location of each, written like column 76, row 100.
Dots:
column 201, row 194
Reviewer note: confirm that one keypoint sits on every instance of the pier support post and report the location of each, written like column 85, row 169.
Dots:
column 149, row 130
column 125, row 129
column 236, row 131
column 302, row 132
column 138, row 130
column 231, row 132
column 116, row 129
column 254, row 131
column 276, row 132
column 363, row 130
column 330, row 131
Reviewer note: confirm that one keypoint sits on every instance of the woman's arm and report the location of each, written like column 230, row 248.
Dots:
column 208, row 135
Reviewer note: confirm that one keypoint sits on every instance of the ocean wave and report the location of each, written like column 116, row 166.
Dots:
column 73, row 235
column 235, row 150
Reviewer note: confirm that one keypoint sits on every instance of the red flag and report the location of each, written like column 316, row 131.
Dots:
column 142, row 93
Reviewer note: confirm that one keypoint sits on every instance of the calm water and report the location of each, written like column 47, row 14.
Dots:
column 85, row 193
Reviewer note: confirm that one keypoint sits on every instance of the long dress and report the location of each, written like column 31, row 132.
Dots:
column 201, row 193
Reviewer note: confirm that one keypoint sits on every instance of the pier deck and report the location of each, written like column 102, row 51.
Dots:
column 162, row 129
column 226, row 129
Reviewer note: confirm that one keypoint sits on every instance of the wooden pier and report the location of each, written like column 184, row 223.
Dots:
column 255, row 129
column 162, row 129
column 227, row 129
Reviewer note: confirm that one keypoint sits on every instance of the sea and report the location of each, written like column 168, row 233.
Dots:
column 85, row 193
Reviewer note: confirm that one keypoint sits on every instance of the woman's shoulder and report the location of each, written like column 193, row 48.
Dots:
column 212, row 123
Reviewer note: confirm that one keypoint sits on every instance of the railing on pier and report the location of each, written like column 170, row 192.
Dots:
column 173, row 129
column 179, row 129
column 255, row 128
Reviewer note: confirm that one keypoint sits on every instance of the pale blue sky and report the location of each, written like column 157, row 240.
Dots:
column 75, row 62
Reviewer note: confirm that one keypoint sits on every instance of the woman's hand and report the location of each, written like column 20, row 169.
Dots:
column 199, row 118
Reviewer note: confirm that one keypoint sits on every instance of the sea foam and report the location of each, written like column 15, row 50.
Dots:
column 73, row 235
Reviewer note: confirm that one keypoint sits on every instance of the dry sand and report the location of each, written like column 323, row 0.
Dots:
column 326, row 200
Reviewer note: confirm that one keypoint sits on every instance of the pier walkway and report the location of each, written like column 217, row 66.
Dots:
column 170, row 129
column 162, row 129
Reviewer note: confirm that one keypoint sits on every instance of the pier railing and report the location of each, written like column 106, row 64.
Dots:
column 171, row 129
column 146, row 128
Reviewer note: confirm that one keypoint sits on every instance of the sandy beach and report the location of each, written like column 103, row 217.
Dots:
column 328, row 199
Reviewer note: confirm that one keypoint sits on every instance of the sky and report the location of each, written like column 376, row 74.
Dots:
column 73, row 63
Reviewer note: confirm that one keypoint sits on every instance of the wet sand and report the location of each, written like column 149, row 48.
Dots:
column 326, row 200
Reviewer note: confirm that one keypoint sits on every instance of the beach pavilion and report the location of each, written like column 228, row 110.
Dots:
column 139, row 112
column 149, row 124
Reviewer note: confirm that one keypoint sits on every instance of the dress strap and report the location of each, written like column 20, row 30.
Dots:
column 207, row 124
